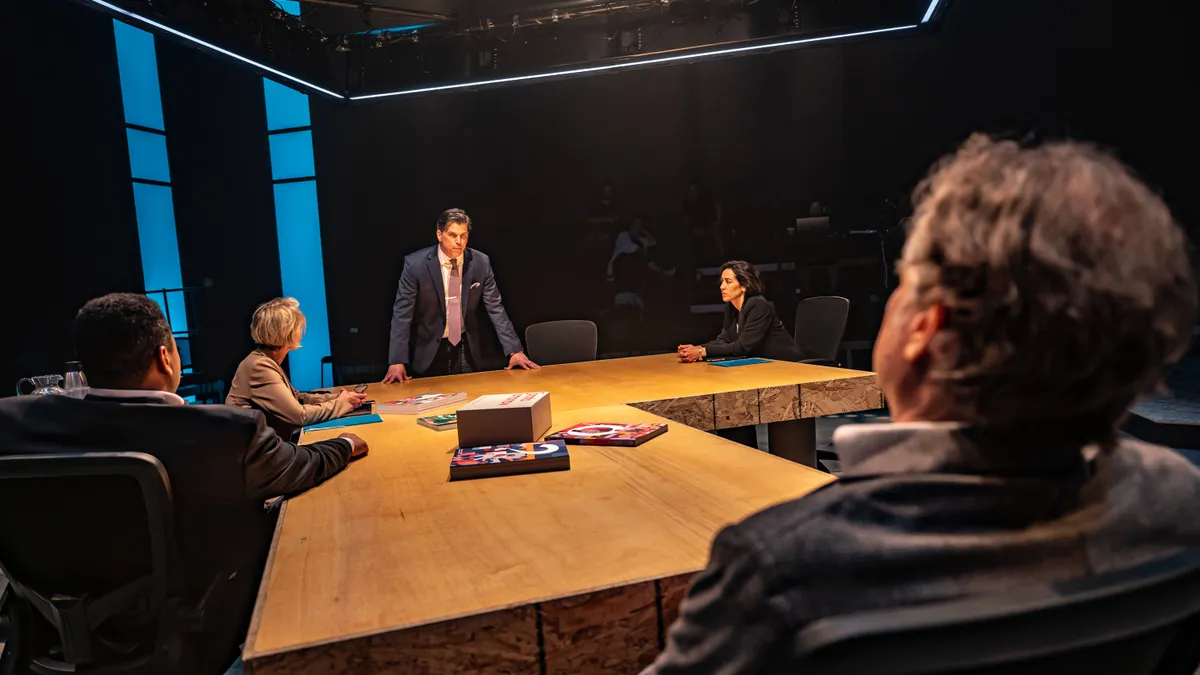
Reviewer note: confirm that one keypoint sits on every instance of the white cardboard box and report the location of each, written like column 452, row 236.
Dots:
column 504, row 418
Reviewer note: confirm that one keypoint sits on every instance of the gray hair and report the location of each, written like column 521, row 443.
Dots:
column 1067, row 285
column 278, row 323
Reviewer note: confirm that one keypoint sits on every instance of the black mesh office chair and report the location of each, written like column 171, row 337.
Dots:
column 1145, row 621
column 820, row 324
column 567, row 341
column 87, row 544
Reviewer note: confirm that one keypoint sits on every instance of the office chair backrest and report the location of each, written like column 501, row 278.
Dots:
column 820, row 324
column 1141, row 621
column 556, row 342
column 87, row 542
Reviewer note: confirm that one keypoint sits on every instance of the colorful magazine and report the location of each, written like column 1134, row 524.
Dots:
column 414, row 405
column 439, row 422
column 603, row 433
column 504, row 460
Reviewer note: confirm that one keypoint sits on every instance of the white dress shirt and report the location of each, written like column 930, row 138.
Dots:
column 445, row 261
column 167, row 397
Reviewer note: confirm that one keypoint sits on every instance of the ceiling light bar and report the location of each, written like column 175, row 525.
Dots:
column 213, row 47
column 630, row 64
column 933, row 5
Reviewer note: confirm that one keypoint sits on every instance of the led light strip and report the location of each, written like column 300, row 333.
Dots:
column 202, row 43
column 635, row 63
column 929, row 12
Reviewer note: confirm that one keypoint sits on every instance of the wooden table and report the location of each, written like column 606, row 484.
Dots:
column 786, row 396
column 390, row 568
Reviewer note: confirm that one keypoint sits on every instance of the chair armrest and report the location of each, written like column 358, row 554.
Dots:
column 820, row 362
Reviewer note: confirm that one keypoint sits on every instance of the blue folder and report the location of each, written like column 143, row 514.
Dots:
column 732, row 363
column 344, row 422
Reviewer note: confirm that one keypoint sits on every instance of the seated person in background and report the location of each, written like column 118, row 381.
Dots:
column 261, row 384
column 631, row 263
column 1042, row 291
column 751, row 326
column 634, row 240
column 222, row 462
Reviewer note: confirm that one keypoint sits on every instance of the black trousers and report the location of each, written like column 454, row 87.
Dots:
column 451, row 359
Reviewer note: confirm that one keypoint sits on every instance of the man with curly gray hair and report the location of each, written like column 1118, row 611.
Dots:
column 1043, row 290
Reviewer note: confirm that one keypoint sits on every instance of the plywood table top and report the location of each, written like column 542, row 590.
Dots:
column 391, row 544
column 629, row 380
column 391, row 548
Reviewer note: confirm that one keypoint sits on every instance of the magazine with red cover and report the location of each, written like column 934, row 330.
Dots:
column 603, row 433
column 414, row 405
column 504, row 460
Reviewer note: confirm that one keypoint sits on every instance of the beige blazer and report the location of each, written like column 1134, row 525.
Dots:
column 261, row 384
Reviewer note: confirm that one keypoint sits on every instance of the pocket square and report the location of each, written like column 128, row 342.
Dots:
column 474, row 285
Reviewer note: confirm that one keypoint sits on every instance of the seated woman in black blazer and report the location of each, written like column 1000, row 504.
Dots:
column 751, row 326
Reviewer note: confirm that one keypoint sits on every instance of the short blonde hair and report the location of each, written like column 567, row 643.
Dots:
column 278, row 323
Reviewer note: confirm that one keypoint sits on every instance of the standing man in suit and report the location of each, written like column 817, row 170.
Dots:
column 435, row 323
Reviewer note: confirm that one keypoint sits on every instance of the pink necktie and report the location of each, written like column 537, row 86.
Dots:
column 454, row 305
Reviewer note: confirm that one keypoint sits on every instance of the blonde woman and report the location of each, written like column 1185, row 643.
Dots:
column 261, row 384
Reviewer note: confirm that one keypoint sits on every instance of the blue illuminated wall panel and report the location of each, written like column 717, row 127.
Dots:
column 297, row 223
column 292, row 155
column 301, row 270
column 138, row 68
column 137, row 65
column 148, row 155
column 286, row 107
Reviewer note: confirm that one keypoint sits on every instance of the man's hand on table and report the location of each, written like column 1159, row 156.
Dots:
column 358, row 446
column 396, row 373
column 519, row 360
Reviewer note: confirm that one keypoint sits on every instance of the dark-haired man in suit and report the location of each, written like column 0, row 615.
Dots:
column 435, row 326
column 222, row 461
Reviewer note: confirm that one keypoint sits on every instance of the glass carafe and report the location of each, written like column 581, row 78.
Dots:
column 77, row 385
column 43, row 385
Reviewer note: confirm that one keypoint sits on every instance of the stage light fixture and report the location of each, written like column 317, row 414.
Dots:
column 208, row 45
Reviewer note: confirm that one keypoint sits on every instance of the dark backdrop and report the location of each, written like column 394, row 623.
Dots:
column 68, row 231
column 767, row 133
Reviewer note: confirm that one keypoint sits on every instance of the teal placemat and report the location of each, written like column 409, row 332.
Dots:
column 345, row 422
column 738, row 362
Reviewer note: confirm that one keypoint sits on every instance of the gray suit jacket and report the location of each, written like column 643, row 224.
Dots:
column 925, row 513
column 419, row 313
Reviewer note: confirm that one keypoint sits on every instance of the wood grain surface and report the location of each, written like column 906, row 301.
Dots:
column 389, row 567
column 682, row 391
column 390, row 544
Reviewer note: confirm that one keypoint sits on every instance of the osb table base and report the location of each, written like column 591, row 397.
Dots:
column 619, row 630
